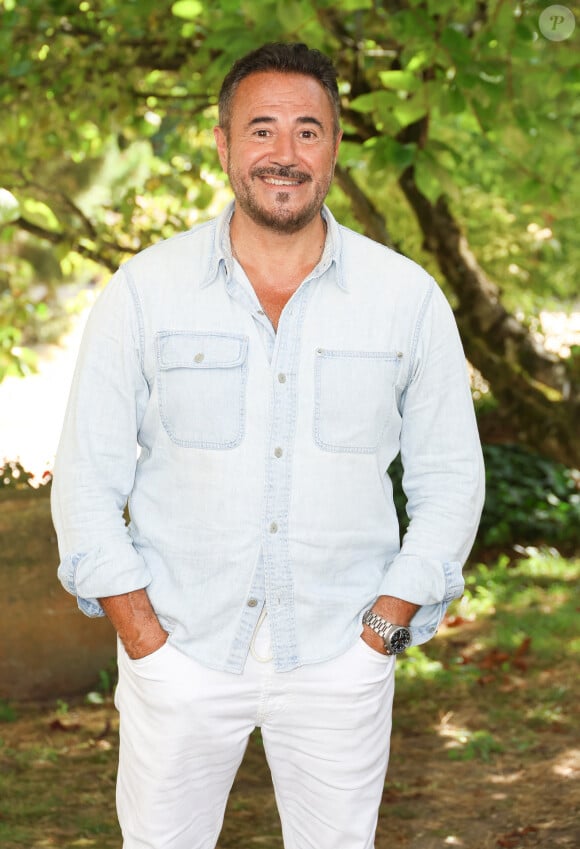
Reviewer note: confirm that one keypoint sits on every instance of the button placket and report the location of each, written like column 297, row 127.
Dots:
column 278, row 572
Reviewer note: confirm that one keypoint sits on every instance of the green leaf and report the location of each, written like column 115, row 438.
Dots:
column 457, row 43
column 367, row 103
column 572, row 79
column 40, row 214
column 408, row 111
column 419, row 60
column 188, row 9
column 292, row 14
column 400, row 80
column 451, row 100
column 263, row 13
column 388, row 152
column 380, row 104
column 354, row 5
column 410, row 24
column 427, row 181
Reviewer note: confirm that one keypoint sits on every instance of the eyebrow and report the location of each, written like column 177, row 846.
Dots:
column 268, row 119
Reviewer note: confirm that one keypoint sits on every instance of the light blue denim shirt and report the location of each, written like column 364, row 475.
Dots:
column 261, row 480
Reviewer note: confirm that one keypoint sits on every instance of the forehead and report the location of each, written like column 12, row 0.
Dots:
column 273, row 93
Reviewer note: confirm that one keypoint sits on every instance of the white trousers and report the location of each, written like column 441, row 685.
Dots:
column 184, row 729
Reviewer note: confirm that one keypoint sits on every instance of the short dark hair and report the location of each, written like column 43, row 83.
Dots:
column 285, row 58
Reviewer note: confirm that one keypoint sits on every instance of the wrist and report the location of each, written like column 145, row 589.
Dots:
column 372, row 639
column 135, row 622
column 144, row 644
column 395, row 610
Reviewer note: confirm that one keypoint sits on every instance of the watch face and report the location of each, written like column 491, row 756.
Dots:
column 399, row 640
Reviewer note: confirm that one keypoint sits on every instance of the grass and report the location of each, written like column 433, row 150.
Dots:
column 483, row 748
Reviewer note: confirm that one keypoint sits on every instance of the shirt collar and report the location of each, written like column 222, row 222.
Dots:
column 222, row 248
column 221, row 251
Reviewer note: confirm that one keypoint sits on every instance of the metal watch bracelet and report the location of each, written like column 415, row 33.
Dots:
column 396, row 638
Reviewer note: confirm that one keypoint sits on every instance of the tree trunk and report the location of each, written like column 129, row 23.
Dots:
column 538, row 392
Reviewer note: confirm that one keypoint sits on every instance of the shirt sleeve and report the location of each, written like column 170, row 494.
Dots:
column 443, row 473
column 96, row 459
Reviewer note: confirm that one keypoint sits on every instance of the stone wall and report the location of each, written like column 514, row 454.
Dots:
column 48, row 648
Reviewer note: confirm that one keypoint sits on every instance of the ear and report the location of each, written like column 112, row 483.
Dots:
column 222, row 146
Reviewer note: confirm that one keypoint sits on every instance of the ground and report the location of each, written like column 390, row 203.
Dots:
column 485, row 749
column 491, row 761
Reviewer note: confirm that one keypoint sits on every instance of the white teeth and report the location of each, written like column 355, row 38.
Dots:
column 274, row 182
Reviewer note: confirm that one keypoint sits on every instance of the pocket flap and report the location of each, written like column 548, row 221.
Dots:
column 182, row 349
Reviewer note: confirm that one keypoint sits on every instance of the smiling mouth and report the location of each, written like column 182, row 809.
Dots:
column 277, row 181
column 282, row 178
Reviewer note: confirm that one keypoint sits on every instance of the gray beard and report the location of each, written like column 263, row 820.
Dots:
column 279, row 220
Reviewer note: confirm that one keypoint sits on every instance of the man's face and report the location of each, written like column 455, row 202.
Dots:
column 280, row 150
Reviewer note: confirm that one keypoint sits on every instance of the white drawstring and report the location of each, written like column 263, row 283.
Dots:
column 254, row 651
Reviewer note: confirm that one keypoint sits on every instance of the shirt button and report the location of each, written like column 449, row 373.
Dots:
column 252, row 602
column 281, row 378
column 278, row 452
column 273, row 528
column 199, row 358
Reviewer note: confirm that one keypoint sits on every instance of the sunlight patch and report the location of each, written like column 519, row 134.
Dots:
column 568, row 766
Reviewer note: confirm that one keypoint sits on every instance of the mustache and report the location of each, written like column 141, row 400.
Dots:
column 282, row 174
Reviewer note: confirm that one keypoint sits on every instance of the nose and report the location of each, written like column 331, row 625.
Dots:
column 284, row 150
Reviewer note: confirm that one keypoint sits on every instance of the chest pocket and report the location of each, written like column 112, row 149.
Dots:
column 202, row 388
column 354, row 398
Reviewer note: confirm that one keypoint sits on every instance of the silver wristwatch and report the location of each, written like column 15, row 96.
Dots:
column 395, row 637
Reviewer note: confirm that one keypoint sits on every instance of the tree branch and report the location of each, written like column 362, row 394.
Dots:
column 539, row 393
column 110, row 261
column 373, row 222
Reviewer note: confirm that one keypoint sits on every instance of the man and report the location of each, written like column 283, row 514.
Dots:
column 270, row 364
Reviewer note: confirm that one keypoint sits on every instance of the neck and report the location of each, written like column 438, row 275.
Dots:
column 276, row 263
column 254, row 245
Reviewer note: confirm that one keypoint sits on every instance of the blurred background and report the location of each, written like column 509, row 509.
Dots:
column 461, row 151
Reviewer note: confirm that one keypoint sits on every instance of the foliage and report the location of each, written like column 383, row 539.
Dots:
column 529, row 499
column 13, row 476
column 530, row 604
column 472, row 712
column 479, row 744
column 62, row 708
column 533, row 580
column 108, row 110
column 7, row 712
column 107, row 682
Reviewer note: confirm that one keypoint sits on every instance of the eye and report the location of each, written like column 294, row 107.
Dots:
column 262, row 134
column 309, row 136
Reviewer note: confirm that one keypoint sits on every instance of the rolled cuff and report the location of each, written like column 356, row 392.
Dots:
column 99, row 573
column 432, row 584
